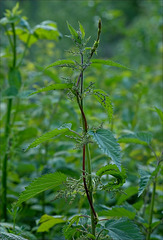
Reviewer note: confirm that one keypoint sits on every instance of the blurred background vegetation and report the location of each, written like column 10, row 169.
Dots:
column 131, row 35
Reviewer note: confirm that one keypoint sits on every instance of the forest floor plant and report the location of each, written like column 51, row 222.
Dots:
column 17, row 28
column 94, row 228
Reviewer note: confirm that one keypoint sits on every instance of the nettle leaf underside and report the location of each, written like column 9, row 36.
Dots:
column 104, row 99
column 53, row 87
column 41, row 184
column 112, row 169
column 47, row 136
column 108, row 144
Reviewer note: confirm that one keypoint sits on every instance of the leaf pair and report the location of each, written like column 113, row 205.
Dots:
column 77, row 36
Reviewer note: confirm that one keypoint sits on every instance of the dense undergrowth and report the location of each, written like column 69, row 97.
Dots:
column 83, row 133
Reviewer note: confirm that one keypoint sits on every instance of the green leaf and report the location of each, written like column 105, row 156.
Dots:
column 143, row 138
column 48, row 222
column 25, row 36
column 82, row 30
column 145, row 178
column 91, row 236
column 47, row 30
column 41, row 184
column 25, row 25
column 107, row 62
column 104, row 99
column 53, row 87
column 10, row 92
column 25, row 94
column 71, row 232
column 5, row 20
column 160, row 113
column 130, row 191
column 74, row 33
column 113, row 171
column 14, row 78
column 10, row 236
column 108, row 144
column 49, row 135
column 62, row 63
column 123, row 229
column 73, row 220
column 117, row 211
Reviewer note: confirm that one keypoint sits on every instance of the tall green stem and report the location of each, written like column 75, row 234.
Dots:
column 7, row 134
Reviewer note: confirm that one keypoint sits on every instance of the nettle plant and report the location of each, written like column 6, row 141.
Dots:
column 20, row 38
column 83, row 226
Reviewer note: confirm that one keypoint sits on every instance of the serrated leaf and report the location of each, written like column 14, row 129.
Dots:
column 48, row 222
column 118, row 211
column 143, row 138
column 53, row 87
column 82, row 30
column 107, row 62
column 10, row 236
column 62, row 63
column 108, row 144
column 41, row 184
column 104, row 99
column 73, row 32
column 47, row 136
column 145, row 178
column 112, row 169
column 73, row 220
column 123, row 229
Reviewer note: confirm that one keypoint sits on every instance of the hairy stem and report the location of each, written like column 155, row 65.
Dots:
column 88, row 189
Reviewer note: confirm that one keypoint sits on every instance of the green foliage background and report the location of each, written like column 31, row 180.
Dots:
column 131, row 35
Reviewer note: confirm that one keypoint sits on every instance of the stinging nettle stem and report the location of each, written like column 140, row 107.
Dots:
column 88, row 190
